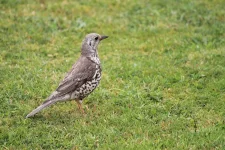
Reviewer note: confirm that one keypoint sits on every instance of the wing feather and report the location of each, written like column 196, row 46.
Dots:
column 81, row 72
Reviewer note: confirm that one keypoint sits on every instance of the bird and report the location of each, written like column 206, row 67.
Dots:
column 82, row 79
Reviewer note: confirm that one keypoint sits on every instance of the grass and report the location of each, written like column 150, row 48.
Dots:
column 163, row 84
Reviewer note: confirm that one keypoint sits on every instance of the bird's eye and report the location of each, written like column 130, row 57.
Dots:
column 96, row 38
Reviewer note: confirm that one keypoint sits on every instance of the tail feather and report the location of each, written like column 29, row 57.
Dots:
column 39, row 108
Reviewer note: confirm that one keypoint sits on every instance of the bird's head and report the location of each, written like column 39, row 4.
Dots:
column 90, row 43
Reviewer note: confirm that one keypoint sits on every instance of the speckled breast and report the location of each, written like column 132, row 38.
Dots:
column 89, row 86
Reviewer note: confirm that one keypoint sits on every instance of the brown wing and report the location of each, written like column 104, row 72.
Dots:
column 82, row 71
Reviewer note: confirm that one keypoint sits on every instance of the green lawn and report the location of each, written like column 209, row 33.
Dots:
column 163, row 83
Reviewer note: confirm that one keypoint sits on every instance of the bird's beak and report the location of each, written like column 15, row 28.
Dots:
column 103, row 37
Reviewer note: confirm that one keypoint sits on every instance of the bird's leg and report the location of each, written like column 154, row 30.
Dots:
column 79, row 104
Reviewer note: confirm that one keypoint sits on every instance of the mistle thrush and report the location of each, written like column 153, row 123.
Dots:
column 82, row 79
